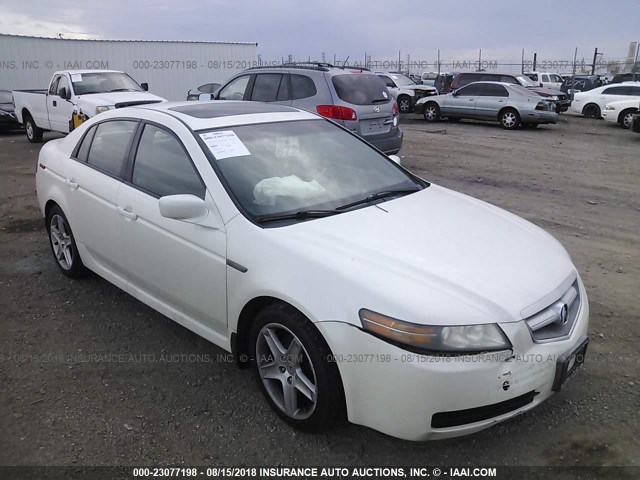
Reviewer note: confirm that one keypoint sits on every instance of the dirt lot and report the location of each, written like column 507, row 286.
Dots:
column 578, row 179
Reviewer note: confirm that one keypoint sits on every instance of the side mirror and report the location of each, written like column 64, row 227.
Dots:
column 396, row 159
column 64, row 93
column 203, row 97
column 454, row 93
column 541, row 84
column 188, row 208
column 145, row 86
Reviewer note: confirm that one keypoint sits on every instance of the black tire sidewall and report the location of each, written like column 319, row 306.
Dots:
column 401, row 98
column 437, row 107
column 37, row 133
column 516, row 125
column 77, row 270
column 329, row 408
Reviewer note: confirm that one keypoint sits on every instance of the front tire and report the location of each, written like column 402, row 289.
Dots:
column 34, row 133
column 509, row 119
column 625, row 119
column 404, row 104
column 63, row 244
column 431, row 112
column 294, row 368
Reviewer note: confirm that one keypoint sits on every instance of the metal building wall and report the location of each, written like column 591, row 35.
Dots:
column 170, row 68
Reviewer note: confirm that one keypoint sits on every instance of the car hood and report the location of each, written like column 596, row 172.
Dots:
column 115, row 98
column 439, row 250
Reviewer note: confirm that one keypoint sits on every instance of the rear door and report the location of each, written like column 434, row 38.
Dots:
column 272, row 88
column 94, row 182
column 304, row 91
column 491, row 99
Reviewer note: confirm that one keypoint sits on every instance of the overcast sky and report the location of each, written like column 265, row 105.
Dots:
column 552, row 28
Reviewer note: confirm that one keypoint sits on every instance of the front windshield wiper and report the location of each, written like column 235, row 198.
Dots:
column 301, row 215
column 377, row 196
column 123, row 90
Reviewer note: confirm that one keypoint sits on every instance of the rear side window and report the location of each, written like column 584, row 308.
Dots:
column 110, row 146
column 302, row 87
column 361, row 89
column 492, row 90
column 266, row 86
column 83, row 151
column 615, row 91
column 162, row 166
column 633, row 91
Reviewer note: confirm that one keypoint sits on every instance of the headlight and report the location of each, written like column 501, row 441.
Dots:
column 555, row 98
column 609, row 107
column 430, row 338
column 104, row 108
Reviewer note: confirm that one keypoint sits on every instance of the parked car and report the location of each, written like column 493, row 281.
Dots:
column 580, row 83
column 8, row 119
column 443, row 82
column 561, row 100
column 429, row 78
column 194, row 93
column 291, row 242
column 621, row 112
column 405, row 91
column 355, row 99
column 511, row 105
column 625, row 77
column 75, row 96
column 591, row 103
column 546, row 79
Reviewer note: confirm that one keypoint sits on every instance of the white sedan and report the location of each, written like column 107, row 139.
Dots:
column 354, row 288
column 592, row 102
column 621, row 112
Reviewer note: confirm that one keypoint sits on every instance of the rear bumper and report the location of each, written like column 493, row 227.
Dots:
column 539, row 116
column 389, row 144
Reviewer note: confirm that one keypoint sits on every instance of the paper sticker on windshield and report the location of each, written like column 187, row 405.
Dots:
column 287, row 146
column 76, row 77
column 224, row 144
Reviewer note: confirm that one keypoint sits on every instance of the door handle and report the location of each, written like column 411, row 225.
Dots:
column 71, row 184
column 472, row 99
column 55, row 104
column 126, row 213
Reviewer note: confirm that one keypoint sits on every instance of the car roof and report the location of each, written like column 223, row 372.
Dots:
column 72, row 72
column 221, row 113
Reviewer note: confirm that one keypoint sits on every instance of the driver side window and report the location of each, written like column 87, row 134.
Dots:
column 63, row 83
column 235, row 90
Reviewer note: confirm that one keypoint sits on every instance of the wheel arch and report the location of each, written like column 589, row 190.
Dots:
column 508, row 107
column 624, row 112
column 590, row 104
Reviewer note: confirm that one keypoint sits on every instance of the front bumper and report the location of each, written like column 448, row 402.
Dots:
column 415, row 397
column 610, row 115
column 562, row 105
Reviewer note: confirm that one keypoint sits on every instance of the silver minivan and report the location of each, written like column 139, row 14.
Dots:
column 353, row 98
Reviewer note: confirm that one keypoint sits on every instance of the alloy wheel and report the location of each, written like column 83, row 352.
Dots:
column 61, row 241
column 509, row 119
column 431, row 113
column 29, row 129
column 627, row 120
column 286, row 371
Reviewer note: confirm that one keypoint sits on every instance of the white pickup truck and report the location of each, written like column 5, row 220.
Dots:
column 75, row 96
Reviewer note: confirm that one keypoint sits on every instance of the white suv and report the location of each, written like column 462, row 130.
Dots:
column 405, row 91
column 546, row 80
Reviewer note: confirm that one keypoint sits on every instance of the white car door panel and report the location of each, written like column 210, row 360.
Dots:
column 60, row 109
column 174, row 264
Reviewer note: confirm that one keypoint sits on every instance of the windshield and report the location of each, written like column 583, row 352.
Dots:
column 6, row 97
column 526, row 81
column 289, row 167
column 103, row 82
column 402, row 81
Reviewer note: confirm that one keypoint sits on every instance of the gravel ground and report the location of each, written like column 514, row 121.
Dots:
column 173, row 398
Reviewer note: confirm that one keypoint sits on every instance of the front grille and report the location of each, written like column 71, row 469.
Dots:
column 471, row 415
column 556, row 321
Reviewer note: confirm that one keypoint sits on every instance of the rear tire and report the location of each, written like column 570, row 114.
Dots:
column 294, row 368
column 509, row 119
column 63, row 244
column 591, row 110
column 625, row 119
column 431, row 112
column 34, row 133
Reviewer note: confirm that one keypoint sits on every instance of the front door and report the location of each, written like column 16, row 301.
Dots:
column 60, row 109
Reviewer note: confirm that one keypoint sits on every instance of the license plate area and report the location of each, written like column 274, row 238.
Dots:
column 377, row 125
column 568, row 364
